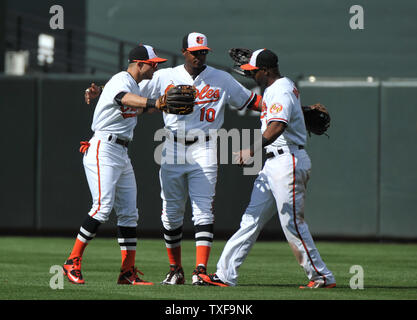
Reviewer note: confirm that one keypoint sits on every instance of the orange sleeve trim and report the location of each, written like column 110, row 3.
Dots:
column 247, row 102
column 257, row 104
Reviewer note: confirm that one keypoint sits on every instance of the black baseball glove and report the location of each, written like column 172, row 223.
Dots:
column 317, row 118
column 240, row 56
column 178, row 100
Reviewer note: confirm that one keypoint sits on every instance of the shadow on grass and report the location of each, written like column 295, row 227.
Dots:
column 292, row 285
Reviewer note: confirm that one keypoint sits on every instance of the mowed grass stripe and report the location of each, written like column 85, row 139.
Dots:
column 269, row 273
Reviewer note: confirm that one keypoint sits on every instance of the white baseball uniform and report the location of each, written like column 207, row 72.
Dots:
column 191, row 169
column 107, row 164
column 280, row 186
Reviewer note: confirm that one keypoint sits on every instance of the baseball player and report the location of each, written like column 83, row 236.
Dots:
column 196, row 177
column 281, row 184
column 108, row 167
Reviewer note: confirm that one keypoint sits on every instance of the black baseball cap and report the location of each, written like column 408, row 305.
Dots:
column 261, row 58
column 144, row 53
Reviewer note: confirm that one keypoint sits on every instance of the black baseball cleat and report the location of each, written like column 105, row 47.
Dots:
column 130, row 277
column 196, row 281
column 174, row 276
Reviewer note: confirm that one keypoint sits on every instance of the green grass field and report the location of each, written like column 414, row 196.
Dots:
column 269, row 273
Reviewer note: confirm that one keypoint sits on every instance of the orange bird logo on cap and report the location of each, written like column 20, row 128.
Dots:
column 200, row 40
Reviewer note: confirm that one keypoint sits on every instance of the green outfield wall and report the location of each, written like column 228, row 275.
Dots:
column 398, row 173
column 343, row 191
column 363, row 182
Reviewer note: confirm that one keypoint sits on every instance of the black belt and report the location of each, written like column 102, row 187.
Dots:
column 280, row 151
column 124, row 143
column 188, row 142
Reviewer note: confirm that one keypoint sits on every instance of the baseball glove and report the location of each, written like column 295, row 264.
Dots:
column 178, row 100
column 317, row 118
column 240, row 56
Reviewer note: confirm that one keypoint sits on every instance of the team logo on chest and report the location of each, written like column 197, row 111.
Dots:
column 128, row 112
column 205, row 95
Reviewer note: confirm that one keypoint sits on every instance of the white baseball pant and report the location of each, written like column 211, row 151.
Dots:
column 280, row 186
column 188, row 171
column 111, row 180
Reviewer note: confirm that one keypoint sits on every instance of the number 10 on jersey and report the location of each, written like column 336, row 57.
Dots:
column 209, row 114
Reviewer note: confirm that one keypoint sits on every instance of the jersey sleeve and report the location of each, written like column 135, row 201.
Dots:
column 151, row 88
column 237, row 95
column 279, row 109
column 116, row 85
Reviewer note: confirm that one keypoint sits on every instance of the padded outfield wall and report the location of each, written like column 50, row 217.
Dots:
column 363, row 184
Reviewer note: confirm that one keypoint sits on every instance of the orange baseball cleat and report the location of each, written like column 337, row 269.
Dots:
column 318, row 284
column 72, row 269
column 212, row 279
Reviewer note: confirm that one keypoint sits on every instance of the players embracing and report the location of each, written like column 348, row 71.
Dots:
column 193, row 173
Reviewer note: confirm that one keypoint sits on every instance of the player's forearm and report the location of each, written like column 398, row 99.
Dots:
column 273, row 131
column 132, row 100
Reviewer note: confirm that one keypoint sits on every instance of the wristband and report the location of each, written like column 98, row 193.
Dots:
column 150, row 103
column 264, row 143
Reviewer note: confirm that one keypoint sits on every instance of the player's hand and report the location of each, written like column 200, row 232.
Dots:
column 92, row 93
column 243, row 157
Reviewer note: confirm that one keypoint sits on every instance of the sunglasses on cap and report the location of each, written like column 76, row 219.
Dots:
column 199, row 52
column 151, row 63
column 252, row 73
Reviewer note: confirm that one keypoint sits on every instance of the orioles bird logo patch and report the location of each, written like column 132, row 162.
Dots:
column 276, row 108
column 200, row 40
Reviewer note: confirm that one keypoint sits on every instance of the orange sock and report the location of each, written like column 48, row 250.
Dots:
column 78, row 249
column 174, row 256
column 128, row 259
column 202, row 255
